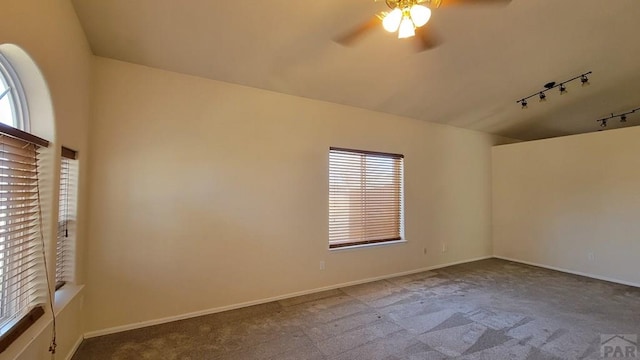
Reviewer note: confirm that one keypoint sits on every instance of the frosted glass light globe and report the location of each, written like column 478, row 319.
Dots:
column 407, row 29
column 391, row 22
column 420, row 15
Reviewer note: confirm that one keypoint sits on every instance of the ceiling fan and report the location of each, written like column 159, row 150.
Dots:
column 409, row 18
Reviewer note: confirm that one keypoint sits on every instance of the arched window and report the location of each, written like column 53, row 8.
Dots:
column 23, row 281
column 12, row 100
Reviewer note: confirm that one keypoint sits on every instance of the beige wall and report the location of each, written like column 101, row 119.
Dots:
column 206, row 194
column 557, row 201
column 51, row 34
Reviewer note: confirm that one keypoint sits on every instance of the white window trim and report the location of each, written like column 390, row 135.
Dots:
column 19, row 103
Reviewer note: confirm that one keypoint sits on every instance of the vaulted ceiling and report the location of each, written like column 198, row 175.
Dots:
column 490, row 56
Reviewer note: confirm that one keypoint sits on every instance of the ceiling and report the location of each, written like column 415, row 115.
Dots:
column 491, row 56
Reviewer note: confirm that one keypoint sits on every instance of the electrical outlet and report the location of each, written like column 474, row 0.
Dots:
column 591, row 256
column 322, row 265
column 444, row 247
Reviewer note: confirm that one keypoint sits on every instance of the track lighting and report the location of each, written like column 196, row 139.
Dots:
column 543, row 97
column 622, row 116
column 550, row 85
column 584, row 80
column 563, row 89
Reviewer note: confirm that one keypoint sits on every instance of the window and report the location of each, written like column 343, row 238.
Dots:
column 365, row 197
column 22, row 280
column 23, row 284
column 65, row 246
column 11, row 97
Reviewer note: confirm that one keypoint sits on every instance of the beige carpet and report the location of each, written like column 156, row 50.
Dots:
column 490, row 309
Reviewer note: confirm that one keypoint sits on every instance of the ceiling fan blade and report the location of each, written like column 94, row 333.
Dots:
column 426, row 38
column 474, row 2
column 355, row 34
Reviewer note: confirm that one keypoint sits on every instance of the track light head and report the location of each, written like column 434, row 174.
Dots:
column 584, row 80
column 543, row 97
column 623, row 118
column 524, row 104
column 563, row 89
column 603, row 123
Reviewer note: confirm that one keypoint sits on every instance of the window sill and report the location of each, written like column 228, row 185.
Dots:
column 12, row 331
column 353, row 247
column 64, row 296
column 62, row 299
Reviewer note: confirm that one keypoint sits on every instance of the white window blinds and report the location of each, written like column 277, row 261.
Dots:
column 365, row 197
column 22, row 280
column 65, row 246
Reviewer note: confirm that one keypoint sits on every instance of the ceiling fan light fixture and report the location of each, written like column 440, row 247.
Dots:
column 391, row 22
column 407, row 28
column 420, row 15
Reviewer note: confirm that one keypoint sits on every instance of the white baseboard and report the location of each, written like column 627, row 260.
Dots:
column 597, row 277
column 74, row 348
column 142, row 324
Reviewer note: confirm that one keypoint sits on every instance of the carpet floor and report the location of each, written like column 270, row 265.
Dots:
column 490, row 309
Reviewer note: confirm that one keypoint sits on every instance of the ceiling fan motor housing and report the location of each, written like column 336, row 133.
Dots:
column 402, row 4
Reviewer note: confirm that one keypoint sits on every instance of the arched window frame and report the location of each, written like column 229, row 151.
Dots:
column 18, row 100
column 22, row 76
